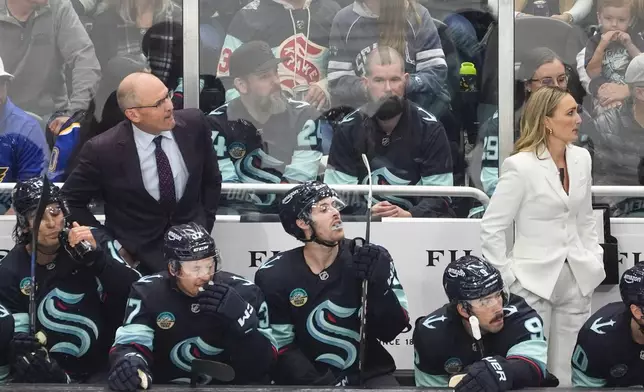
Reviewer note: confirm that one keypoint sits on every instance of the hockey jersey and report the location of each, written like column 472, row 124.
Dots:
column 443, row 348
column 286, row 149
column 66, row 143
column 315, row 319
column 302, row 35
column 76, row 305
column 6, row 334
column 417, row 152
column 166, row 328
column 605, row 354
column 355, row 34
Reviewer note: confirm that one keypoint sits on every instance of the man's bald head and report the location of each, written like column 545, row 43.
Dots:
column 384, row 55
column 129, row 92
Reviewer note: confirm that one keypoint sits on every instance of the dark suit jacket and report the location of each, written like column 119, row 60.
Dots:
column 109, row 170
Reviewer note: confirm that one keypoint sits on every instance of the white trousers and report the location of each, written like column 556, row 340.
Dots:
column 563, row 316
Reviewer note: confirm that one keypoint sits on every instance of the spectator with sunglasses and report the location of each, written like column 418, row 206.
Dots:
column 539, row 67
column 512, row 351
column 619, row 144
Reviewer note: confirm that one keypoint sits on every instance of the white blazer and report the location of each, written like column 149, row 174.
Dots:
column 551, row 226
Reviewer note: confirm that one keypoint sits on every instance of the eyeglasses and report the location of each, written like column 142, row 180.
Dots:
column 489, row 301
column 561, row 80
column 157, row 104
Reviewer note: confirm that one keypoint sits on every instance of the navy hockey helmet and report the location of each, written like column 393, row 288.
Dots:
column 297, row 204
column 188, row 242
column 631, row 285
column 25, row 197
column 470, row 278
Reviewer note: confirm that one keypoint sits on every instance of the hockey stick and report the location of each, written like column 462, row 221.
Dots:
column 40, row 211
column 365, row 283
column 476, row 334
column 217, row 370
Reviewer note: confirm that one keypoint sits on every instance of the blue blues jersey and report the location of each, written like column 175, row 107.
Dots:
column 66, row 143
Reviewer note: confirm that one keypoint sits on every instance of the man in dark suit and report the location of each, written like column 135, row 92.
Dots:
column 154, row 170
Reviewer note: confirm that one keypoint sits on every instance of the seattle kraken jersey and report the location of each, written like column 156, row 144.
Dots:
column 65, row 144
column 286, row 149
column 443, row 347
column 317, row 317
column 6, row 334
column 416, row 153
column 165, row 326
column 606, row 355
column 76, row 305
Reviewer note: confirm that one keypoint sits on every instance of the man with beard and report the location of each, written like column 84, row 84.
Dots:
column 313, row 293
column 405, row 144
column 512, row 352
column 263, row 137
column 610, row 346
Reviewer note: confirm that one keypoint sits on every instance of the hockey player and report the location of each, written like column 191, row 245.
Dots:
column 263, row 137
column 6, row 334
column 81, row 288
column 512, row 353
column 405, row 144
column 313, row 293
column 191, row 311
column 610, row 346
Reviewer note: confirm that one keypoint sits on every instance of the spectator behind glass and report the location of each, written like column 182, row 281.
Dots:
column 401, row 24
column 570, row 11
column 539, row 67
column 23, row 147
column 40, row 38
column 119, row 30
column 405, row 144
column 619, row 144
column 545, row 189
column 295, row 29
column 608, row 54
column 262, row 137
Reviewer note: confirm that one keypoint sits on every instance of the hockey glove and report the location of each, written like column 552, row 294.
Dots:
column 23, row 344
column 126, row 374
column 223, row 302
column 486, row 375
column 36, row 368
column 372, row 262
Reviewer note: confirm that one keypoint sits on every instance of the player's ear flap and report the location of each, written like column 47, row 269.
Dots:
column 301, row 224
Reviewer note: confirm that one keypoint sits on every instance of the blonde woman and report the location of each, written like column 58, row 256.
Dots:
column 556, row 262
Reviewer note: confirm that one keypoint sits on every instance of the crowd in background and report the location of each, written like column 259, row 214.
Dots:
column 62, row 61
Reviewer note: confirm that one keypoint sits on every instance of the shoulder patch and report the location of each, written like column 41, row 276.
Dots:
column 426, row 116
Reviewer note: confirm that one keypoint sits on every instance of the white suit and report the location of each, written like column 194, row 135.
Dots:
column 556, row 262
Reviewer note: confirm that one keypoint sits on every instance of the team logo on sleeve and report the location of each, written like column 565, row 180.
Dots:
column 237, row 150
column 453, row 365
column 165, row 320
column 298, row 297
column 618, row 371
column 25, row 286
column 3, row 173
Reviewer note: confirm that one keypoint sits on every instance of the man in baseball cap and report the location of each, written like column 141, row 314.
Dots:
column 262, row 136
column 619, row 143
column 23, row 146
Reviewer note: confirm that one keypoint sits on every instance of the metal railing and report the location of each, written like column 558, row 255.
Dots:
column 405, row 190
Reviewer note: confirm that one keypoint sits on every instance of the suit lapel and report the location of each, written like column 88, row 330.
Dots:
column 130, row 165
column 551, row 174
column 574, row 170
column 183, row 141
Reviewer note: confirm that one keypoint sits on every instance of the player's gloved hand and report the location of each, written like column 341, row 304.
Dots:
column 486, row 375
column 126, row 373
column 22, row 344
column 37, row 367
column 371, row 262
column 222, row 301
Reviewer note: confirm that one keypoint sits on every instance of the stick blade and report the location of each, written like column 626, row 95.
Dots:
column 453, row 382
column 217, row 370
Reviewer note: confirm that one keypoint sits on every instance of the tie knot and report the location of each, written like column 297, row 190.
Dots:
column 157, row 141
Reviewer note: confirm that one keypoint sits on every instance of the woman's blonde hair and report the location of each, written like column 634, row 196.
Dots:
column 127, row 11
column 541, row 104
column 393, row 23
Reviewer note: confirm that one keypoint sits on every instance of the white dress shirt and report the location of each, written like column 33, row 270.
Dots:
column 145, row 148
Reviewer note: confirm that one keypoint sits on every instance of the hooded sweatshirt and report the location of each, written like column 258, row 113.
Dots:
column 302, row 35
